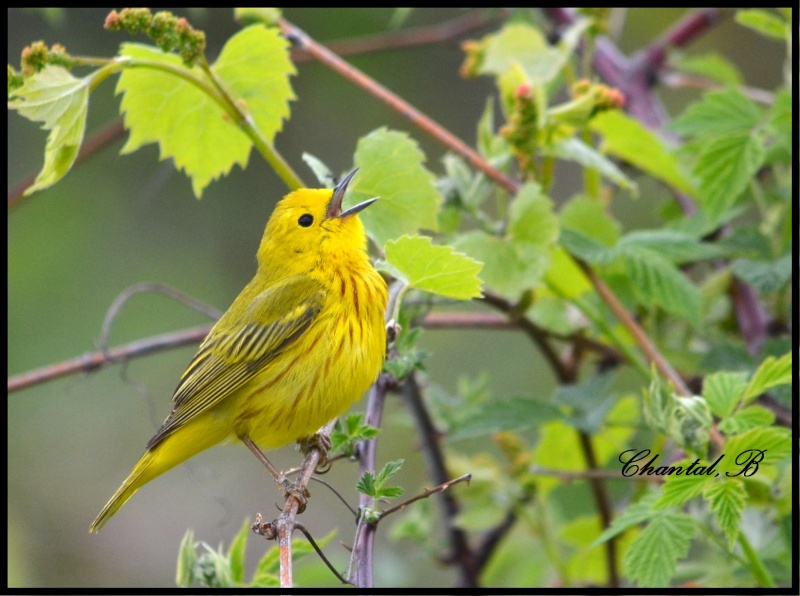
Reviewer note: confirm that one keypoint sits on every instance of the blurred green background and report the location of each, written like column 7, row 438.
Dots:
column 119, row 220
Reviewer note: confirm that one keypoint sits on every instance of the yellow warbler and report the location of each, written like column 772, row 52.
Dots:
column 302, row 341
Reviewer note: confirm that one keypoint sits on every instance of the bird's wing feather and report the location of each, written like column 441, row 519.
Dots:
column 225, row 361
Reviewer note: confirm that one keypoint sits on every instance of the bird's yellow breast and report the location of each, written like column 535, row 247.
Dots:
column 319, row 378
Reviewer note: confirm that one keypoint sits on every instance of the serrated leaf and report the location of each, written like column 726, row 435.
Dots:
column 725, row 167
column 573, row 149
column 747, row 419
column 388, row 470
column 591, row 218
column 531, row 217
column 747, row 453
column 60, row 102
column 509, row 268
column 514, row 413
column 727, row 501
column 188, row 124
column 764, row 22
column 436, row 269
column 652, row 557
column 628, row 139
column 718, row 113
column 677, row 490
column 766, row 277
column 367, row 485
column 713, row 66
column 657, row 281
column 633, row 515
column 770, row 373
column 391, row 168
column 677, row 247
column 587, row 248
column 723, row 390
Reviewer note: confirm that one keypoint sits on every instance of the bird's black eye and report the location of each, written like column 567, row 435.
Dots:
column 306, row 220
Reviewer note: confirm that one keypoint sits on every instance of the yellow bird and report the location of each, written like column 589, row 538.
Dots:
column 302, row 341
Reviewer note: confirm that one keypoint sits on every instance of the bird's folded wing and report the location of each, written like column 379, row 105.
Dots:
column 227, row 359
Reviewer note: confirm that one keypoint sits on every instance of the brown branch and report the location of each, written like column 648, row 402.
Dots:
column 94, row 360
column 603, row 503
column 418, row 36
column 461, row 553
column 424, row 495
column 435, row 130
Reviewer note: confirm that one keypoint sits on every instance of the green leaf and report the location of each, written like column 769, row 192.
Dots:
column 677, row 490
column 633, row 515
column 389, row 469
column 713, row 66
column 727, row 499
column 516, row 413
column 573, row 149
column 531, row 218
column 725, row 168
column 188, row 124
column 652, row 557
column 587, row 248
column 436, row 269
column 657, row 281
column 520, row 43
column 766, row 277
column 718, row 113
column 391, row 168
column 591, row 218
column 747, row 419
column 764, row 22
column 770, row 373
column 509, row 268
column 723, row 390
column 187, row 561
column 749, row 452
column 320, row 169
column 628, row 139
column 236, row 553
column 60, row 102
column 677, row 247
column 366, row 485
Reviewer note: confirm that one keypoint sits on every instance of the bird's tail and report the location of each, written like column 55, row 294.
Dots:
column 176, row 448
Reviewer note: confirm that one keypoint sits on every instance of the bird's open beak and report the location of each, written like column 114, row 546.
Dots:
column 335, row 204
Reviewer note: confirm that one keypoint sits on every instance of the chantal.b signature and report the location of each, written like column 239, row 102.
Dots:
column 747, row 461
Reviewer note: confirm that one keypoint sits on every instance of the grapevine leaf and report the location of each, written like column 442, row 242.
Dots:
column 391, row 168
column 60, row 102
column 436, row 269
column 187, row 123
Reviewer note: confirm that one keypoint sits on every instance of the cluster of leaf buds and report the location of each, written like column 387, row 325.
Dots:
column 475, row 53
column 34, row 58
column 605, row 97
column 522, row 126
column 169, row 32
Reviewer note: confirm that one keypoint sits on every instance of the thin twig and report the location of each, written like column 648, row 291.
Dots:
column 424, row 495
column 418, row 36
column 460, row 554
column 94, row 360
column 154, row 287
column 322, row 556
